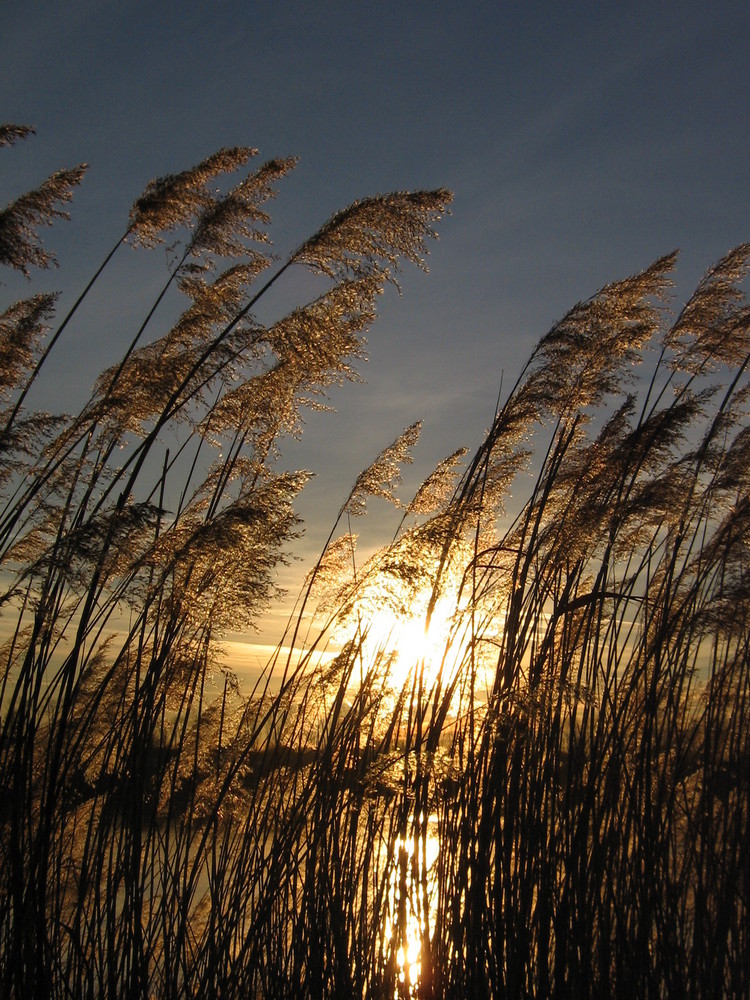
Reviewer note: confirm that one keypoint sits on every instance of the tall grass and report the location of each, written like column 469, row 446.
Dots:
column 568, row 727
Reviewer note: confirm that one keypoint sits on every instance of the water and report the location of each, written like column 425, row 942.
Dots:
column 412, row 905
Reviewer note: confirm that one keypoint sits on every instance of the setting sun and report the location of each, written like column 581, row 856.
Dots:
column 414, row 649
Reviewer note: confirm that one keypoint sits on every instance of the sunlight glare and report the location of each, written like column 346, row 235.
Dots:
column 410, row 646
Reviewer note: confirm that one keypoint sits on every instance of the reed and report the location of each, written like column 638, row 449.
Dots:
column 528, row 755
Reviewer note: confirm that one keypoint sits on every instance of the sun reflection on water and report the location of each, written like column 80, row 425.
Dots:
column 412, row 905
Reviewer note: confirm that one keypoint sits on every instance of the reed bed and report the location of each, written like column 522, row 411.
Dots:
column 545, row 784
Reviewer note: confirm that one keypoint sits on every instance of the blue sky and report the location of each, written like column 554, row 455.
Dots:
column 581, row 141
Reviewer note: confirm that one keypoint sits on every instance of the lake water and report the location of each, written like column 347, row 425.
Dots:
column 412, row 899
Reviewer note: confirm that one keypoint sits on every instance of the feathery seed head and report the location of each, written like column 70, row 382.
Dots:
column 714, row 326
column 438, row 486
column 19, row 243
column 174, row 199
column 382, row 477
column 589, row 352
column 371, row 235
column 20, row 327
column 226, row 222
column 10, row 134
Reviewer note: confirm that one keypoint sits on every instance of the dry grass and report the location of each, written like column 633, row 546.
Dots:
column 570, row 723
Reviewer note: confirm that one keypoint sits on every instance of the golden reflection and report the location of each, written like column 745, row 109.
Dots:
column 412, row 905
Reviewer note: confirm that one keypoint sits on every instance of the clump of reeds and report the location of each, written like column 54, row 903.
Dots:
column 593, row 844
column 547, row 788
column 579, row 749
column 142, row 821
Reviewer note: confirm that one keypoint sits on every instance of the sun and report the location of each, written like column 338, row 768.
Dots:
column 414, row 650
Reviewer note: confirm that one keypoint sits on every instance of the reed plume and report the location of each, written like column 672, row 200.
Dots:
column 505, row 754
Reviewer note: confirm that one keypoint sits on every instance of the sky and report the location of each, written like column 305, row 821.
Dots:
column 581, row 141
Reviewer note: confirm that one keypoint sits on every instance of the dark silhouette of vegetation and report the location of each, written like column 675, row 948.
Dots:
column 544, row 790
